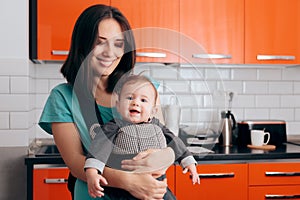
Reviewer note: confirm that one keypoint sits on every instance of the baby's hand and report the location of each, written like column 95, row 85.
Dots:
column 93, row 181
column 193, row 171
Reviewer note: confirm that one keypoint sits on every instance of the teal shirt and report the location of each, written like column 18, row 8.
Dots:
column 62, row 106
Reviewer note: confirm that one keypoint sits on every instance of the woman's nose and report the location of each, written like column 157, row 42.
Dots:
column 108, row 50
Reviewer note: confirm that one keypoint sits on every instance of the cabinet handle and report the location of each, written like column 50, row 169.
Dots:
column 274, row 57
column 217, row 175
column 60, row 52
column 282, row 173
column 212, row 56
column 278, row 196
column 55, row 180
column 151, row 54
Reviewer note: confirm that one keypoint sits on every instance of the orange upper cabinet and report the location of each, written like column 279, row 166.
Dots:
column 212, row 31
column 272, row 29
column 51, row 25
column 156, row 25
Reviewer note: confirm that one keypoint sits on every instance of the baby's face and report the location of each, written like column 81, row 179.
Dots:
column 137, row 102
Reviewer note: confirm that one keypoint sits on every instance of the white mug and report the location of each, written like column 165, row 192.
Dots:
column 258, row 137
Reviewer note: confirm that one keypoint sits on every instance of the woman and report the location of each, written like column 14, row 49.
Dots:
column 102, row 50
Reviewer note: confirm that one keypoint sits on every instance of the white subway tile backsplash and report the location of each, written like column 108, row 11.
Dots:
column 281, row 87
column 217, row 74
column 245, row 101
column 165, row 73
column 256, row 113
column 4, row 120
column 175, row 87
column 203, row 87
column 186, row 115
column 269, row 74
column 253, row 87
column 191, row 73
column 296, row 87
column 14, row 67
column 14, row 102
column 293, row 128
column 291, row 74
column 4, row 84
column 14, row 138
column 290, row 101
column 17, row 120
column 48, row 71
column 259, row 93
column 41, row 86
column 297, row 114
column 244, row 74
column 19, row 85
column 286, row 114
column 204, row 115
column 267, row 101
column 232, row 86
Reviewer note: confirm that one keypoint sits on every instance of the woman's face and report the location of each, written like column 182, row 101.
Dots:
column 109, row 47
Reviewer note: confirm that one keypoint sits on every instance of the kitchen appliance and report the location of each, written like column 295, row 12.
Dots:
column 228, row 124
column 276, row 128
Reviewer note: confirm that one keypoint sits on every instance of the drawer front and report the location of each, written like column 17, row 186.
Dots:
column 217, row 181
column 51, row 183
column 274, row 173
column 274, row 192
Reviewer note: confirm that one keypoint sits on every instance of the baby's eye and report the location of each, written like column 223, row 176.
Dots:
column 129, row 98
column 144, row 100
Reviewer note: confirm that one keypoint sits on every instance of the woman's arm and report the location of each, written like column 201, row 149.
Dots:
column 142, row 186
column 68, row 142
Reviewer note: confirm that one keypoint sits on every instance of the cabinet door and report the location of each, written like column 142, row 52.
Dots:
column 55, row 22
column 274, row 173
column 217, row 26
column 171, row 178
column 274, row 192
column 272, row 31
column 217, row 181
column 51, row 183
column 155, row 24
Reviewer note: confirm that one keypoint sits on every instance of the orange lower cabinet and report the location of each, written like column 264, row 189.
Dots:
column 218, row 181
column 274, row 192
column 274, row 180
column 50, row 184
column 171, row 178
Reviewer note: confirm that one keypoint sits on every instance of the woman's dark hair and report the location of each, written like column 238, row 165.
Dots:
column 84, row 35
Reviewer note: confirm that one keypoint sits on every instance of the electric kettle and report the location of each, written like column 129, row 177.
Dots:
column 227, row 125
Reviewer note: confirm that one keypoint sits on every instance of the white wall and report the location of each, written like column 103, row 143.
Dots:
column 264, row 93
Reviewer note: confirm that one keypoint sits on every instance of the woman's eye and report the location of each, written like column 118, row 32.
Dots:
column 119, row 44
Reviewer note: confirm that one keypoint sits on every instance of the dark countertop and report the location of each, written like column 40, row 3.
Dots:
column 229, row 154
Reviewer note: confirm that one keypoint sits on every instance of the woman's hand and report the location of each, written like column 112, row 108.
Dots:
column 150, row 161
column 146, row 187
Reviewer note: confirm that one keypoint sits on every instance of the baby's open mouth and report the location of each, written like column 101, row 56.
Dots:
column 132, row 111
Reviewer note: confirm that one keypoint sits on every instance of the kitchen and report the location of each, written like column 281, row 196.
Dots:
column 262, row 91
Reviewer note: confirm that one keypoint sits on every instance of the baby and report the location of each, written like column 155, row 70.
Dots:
column 137, row 130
